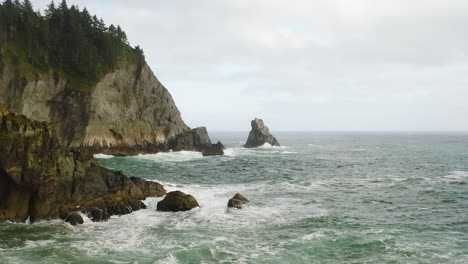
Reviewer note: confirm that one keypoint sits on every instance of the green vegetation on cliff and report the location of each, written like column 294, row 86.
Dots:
column 71, row 42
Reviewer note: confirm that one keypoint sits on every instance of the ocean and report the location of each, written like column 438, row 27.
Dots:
column 320, row 198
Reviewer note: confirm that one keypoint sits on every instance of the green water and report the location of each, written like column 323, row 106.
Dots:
column 324, row 198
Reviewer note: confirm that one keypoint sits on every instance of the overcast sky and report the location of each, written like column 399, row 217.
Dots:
column 304, row 65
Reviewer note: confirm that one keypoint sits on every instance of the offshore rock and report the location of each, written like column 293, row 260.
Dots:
column 197, row 139
column 259, row 135
column 177, row 201
column 238, row 201
column 213, row 149
column 42, row 179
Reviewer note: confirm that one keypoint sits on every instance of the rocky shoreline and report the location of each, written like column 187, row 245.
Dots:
column 42, row 179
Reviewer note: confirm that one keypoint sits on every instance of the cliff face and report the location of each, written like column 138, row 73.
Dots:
column 127, row 112
column 41, row 179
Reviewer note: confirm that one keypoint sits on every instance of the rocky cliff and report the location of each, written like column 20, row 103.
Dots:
column 42, row 179
column 127, row 112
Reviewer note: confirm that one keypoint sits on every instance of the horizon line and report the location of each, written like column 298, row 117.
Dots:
column 349, row 131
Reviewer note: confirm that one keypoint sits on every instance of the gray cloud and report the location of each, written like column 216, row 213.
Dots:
column 305, row 65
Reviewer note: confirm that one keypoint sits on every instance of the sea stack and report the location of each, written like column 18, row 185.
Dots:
column 259, row 135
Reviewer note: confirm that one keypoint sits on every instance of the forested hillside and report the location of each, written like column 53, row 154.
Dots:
column 73, row 43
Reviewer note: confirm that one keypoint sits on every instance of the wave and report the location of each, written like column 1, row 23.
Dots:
column 316, row 146
column 103, row 156
column 169, row 260
column 269, row 146
column 177, row 156
column 456, row 175
column 241, row 151
column 313, row 236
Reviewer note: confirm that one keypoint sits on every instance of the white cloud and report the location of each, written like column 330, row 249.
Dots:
column 305, row 65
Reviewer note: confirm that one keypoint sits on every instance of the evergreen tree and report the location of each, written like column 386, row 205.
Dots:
column 64, row 38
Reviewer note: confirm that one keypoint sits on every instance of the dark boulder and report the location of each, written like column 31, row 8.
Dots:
column 196, row 139
column 238, row 201
column 137, row 205
column 177, row 201
column 74, row 219
column 98, row 215
column 122, row 209
column 259, row 135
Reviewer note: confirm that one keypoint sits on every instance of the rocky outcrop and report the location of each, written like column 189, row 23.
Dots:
column 177, row 201
column 259, row 135
column 197, row 139
column 127, row 112
column 238, row 201
column 42, row 179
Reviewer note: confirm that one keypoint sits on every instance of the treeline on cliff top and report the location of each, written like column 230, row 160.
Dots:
column 75, row 44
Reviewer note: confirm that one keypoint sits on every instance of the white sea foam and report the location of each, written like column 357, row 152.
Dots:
column 230, row 152
column 313, row 236
column 241, row 151
column 169, row 260
column 456, row 175
column 316, row 146
column 103, row 156
column 269, row 146
column 171, row 156
column 38, row 243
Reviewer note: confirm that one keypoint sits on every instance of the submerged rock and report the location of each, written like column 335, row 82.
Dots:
column 197, row 139
column 177, row 201
column 238, row 201
column 74, row 219
column 259, row 135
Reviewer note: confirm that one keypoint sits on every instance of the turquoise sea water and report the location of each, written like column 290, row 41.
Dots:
column 322, row 198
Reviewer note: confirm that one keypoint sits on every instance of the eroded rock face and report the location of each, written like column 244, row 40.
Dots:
column 238, row 201
column 121, row 115
column 42, row 179
column 259, row 135
column 197, row 139
column 177, row 201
